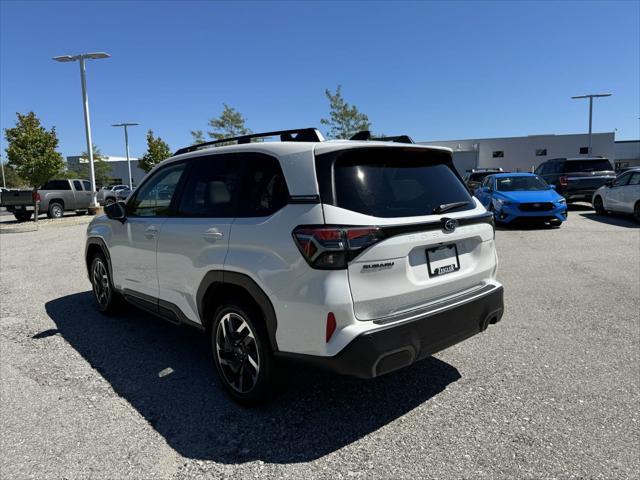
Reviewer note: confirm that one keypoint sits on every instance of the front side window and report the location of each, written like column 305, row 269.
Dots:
column 87, row 185
column 212, row 187
column 635, row 179
column 154, row 198
column 519, row 184
column 77, row 185
column 621, row 180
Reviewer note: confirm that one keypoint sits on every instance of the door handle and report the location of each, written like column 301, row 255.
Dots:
column 212, row 235
column 151, row 232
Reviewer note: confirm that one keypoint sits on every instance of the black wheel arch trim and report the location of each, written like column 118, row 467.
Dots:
column 105, row 251
column 248, row 284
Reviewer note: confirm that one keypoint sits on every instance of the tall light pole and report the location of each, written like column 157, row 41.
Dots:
column 85, row 103
column 591, row 97
column 126, row 145
column 4, row 184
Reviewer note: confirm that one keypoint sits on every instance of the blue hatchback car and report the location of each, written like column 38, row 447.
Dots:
column 521, row 197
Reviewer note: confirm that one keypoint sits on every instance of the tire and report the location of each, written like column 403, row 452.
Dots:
column 598, row 206
column 109, row 201
column 56, row 210
column 636, row 211
column 23, row 216
column 107, row 299
column 242, row 354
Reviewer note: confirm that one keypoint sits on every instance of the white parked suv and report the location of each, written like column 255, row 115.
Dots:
column 362, row 257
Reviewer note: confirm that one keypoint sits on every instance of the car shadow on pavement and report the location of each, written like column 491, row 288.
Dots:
column 626, row 221
column 166, row 374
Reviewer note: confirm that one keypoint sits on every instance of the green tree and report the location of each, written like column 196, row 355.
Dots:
column 31, row 150
column 230, row 123
column 344, row 120
column 11, row 177
column 157, row 150
column 198, row 136
column 101, row 168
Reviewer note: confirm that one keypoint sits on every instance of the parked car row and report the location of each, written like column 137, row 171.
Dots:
column 543, row 196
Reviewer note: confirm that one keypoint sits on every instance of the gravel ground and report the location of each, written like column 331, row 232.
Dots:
column 552, row 391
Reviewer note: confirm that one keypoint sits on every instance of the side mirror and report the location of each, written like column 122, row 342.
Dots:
column 116, row 211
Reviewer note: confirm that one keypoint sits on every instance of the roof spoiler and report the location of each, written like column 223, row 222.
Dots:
column 366, row 135
column 296, row 135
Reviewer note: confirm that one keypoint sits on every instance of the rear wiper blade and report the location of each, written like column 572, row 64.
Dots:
column 445, row 207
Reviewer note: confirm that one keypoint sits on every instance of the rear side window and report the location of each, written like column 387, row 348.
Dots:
column 596, row 165
column 212, row 187
column 265, row 189
column 57, row 185
column 393, row 182
column 635, row 179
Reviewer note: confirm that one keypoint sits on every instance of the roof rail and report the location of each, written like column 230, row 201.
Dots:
column 296, row 135
column 366, row 135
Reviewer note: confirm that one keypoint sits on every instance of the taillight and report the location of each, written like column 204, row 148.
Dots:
column 331, row 248
column 35, row 196
column 564, row 181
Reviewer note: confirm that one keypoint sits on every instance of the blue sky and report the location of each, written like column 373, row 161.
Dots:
column 433, row 70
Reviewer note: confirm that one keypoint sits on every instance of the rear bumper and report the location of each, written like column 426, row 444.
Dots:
column 386, row 349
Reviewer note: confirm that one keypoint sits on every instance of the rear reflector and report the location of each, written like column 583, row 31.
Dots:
column 564, row 181
column 331, row 326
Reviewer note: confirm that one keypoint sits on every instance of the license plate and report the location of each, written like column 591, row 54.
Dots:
column 442, row 260
column 19, row 207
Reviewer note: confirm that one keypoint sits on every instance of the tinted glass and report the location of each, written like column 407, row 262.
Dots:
column 389, row 182
column 265, row 191
column 516, row 184
column 635, row 179
column 476, row 177
column 621, row 180
column 212, row 187
column 87, row 185
column 77, row 185
column 154, row 198
column 57, row 185
column 596, row 165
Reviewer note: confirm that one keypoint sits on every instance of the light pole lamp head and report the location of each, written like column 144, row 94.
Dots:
column 124, row 124
column 64, row 58
column 96, row 55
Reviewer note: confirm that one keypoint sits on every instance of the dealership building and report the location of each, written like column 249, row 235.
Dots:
column 525, row 153
column 119, row 171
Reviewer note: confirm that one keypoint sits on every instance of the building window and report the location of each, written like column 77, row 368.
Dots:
column 584, row 150
column 541, row 152
column 498, row 154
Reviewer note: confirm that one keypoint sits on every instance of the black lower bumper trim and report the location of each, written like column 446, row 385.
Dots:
column 385, row 350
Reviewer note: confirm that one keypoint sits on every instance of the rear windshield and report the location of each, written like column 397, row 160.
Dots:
column 518, row 184
column 394, row 182
column 596, row 165
column 478, row 177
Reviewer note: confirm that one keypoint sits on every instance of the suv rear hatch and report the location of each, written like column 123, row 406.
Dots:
column 584, row 176
column 405, row 195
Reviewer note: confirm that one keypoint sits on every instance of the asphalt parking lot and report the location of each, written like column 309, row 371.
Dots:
column 552, row 391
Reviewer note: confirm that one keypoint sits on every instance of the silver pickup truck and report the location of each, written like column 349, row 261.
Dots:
column 55, row 196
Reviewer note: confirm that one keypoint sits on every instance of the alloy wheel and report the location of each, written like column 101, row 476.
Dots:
column 100, row 282
column 237, row 352
column 57, row 211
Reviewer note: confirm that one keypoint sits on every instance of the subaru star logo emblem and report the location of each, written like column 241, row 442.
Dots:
column 449, row 224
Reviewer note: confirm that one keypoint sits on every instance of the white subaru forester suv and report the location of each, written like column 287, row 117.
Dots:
column 359, row 256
